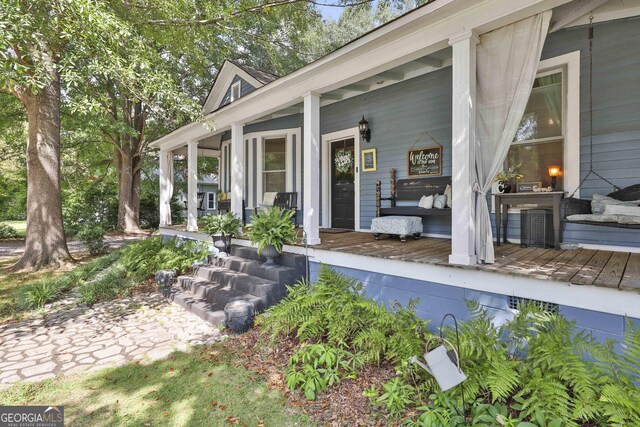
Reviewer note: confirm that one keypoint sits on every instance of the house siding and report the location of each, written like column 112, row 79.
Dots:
column 616, row 118
column 398, row 116
column 245, row 89
column 434, row 300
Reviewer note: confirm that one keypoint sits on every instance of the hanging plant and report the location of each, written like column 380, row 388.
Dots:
column 343, row 161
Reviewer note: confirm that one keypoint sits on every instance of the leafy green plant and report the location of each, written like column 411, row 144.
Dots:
column 92, row 235
column 272, row 227
column 7, row 231
column 111, row 283
column 142, row 259
column 396, row 396
column 511, row 174
column 226, row 224
column 335, row 310
column 37, row 294
column 315, row 367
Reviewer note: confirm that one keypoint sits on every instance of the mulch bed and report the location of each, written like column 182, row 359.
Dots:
column 340, row 405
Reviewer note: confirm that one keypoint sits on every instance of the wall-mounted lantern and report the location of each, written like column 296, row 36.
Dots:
column 365, row 132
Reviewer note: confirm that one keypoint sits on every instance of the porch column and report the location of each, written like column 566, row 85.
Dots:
column 192, row 186
column 166, row 186
column 311, row 164
column 237, row 170
column 463, row 125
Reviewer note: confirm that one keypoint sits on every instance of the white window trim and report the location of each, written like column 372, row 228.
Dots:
column 327, row 139
column 235, row 85
column 211, row 201
column 224, row 164
column 288, row 135
column 570, row 65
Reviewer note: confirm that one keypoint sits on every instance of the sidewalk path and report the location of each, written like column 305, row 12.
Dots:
column 143, row 327
column 16, row 247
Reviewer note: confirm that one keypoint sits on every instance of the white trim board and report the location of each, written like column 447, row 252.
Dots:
column 327, row 139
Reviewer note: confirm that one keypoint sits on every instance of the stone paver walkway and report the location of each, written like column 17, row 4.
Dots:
column 144, row 327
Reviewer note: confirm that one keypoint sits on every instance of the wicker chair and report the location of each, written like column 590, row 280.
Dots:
column 572, row 206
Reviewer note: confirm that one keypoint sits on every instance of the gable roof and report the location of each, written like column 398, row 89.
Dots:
column 228, row 71
column 263, row 77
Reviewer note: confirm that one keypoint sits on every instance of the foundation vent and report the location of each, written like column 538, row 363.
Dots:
column 516, row 302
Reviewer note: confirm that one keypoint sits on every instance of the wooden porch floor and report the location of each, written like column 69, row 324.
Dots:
column 618, row 270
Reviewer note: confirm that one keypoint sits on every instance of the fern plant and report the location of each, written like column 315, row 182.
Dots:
column 272, row 227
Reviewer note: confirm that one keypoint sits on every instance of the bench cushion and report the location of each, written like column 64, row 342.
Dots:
column 400, row 225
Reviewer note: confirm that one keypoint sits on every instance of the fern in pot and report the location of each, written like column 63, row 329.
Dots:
column 221, row 228
column 271, row 229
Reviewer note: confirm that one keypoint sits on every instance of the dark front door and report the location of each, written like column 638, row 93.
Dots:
column 342, row 184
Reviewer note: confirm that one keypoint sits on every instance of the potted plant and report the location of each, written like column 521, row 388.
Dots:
column 221, row 228
column 507, row 178
column 270, row 230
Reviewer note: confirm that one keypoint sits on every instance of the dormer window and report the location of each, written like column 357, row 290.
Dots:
column 236, row 90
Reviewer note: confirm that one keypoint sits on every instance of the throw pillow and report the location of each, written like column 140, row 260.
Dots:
column 426, row 202
column 447, row 192
column 439, row 201
column 599, row 202
column 622, row 210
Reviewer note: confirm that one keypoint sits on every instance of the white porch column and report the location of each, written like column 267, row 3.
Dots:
column 166, row 185
column 463, row 140
column 192, row 186
column 237, row 170
column 312, row 168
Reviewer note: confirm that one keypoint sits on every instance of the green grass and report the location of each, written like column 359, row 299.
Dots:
column 20, row 226
column 187, row 389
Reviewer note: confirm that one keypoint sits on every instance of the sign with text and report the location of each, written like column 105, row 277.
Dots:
column 425, row 161
column 31, row 416
column 369, row 160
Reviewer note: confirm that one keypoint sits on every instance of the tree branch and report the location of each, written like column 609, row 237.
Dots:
column 255, row 9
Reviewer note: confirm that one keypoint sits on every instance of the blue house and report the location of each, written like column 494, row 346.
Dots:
column 451, row 93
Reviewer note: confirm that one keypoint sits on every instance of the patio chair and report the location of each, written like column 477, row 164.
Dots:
column 283, row 200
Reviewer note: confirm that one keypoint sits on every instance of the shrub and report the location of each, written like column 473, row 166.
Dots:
column 224, row 224
column 92, row 235
column 7, row 232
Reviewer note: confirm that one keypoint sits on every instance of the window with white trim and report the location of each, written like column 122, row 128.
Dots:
column 236, row 90
column 539, row 141
column 274, row 167
column 211, row 201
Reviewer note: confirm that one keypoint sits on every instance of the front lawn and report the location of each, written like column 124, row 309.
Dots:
column 203, row 388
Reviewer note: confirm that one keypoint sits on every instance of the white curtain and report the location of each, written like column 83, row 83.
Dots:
column 507, row 63
column 166, row 186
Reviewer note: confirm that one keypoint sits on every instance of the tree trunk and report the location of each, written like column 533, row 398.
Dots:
column 128, row 191
column 46, row 245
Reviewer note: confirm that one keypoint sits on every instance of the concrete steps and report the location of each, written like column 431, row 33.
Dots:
column 229, row 278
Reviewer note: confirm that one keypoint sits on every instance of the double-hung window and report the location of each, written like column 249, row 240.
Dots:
column 274, row 168
column 539, row 141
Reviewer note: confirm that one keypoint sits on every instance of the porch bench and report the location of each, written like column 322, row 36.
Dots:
column 411, row 190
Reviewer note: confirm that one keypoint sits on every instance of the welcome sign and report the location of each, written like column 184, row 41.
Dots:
column 425, row 161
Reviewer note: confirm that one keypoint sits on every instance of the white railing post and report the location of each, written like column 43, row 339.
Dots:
column 463, row 151
column 237, row 170
column 311, row 169
column 192, row 186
